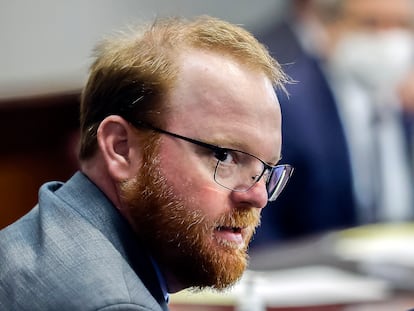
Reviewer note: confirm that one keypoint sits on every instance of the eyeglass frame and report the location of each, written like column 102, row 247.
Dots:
column 266, row 167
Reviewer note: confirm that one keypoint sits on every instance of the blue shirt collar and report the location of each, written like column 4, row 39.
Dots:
column 161, row 280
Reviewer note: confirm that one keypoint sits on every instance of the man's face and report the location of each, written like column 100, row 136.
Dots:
column 197, row 230
column 378, row 15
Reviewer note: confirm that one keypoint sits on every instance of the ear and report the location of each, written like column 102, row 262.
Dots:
column 119, row 147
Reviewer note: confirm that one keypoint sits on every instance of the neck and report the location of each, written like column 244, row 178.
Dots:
column 98, row 174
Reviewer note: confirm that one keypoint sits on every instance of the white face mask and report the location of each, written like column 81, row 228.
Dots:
column 374, row 59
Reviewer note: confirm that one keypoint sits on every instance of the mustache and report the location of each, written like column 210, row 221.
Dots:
column 239, row 218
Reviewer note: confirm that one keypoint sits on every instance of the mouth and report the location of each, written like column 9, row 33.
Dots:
column 232, row 236
column 229, row 229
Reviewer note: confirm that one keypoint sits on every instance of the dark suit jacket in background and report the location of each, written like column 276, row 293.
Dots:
column 74, row 251
column 319, row 197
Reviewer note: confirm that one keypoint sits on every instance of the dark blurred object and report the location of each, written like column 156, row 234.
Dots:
column 39, row 137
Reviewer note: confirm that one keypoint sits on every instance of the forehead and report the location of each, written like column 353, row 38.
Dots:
column 220, row 99
column 380, row 13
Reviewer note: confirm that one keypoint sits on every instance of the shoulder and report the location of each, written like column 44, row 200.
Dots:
column 68, row 272
column 57, row 258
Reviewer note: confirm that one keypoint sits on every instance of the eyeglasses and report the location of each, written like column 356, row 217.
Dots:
column 237, row 170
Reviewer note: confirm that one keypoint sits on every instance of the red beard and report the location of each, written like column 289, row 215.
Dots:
column 180, row 238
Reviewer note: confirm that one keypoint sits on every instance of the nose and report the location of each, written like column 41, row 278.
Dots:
column 256, row 196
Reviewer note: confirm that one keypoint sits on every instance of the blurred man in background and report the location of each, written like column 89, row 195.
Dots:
column 345, row 128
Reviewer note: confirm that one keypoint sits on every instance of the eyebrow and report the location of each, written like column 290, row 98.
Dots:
column 241, row 146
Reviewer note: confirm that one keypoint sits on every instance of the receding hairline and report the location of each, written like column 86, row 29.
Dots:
column 195, row 33
column 134, row 69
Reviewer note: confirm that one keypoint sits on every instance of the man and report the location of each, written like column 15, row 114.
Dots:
column 180, row 137
column 328, row 117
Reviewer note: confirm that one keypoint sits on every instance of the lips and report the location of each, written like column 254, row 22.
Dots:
column 231, row 229
column 230, row 236
column 234, row 230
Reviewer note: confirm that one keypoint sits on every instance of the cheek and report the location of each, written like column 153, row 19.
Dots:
column 211, row 200
column 196, row 188
column 178, row 172
column 192, row 182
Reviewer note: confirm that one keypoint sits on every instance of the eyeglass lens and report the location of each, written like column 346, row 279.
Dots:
column 245, row 170
column 278, row 180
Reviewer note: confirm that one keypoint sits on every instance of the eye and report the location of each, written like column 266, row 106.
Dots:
column 224, row 155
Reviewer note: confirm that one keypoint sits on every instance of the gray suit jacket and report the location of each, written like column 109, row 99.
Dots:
column 74, row 251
